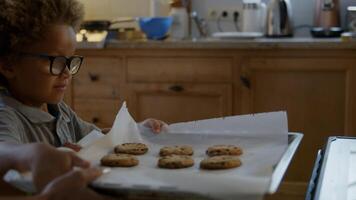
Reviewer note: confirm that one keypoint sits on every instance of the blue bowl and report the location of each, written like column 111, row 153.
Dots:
column 155, row 28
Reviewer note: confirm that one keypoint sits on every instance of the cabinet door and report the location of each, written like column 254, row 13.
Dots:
column 316, row 93
column 180, row 102
column 101, row 112
column 97, row 91
column 99, row 77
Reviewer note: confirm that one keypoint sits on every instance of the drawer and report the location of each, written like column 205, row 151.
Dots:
column 101, row 112
column 179, row 69
column 98, row 77
column 179, row 102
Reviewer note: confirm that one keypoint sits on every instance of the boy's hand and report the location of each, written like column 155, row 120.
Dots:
column 155, row 125
column 74, row 147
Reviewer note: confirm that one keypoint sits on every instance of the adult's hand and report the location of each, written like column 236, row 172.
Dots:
column 73, row 185
column 46, row 162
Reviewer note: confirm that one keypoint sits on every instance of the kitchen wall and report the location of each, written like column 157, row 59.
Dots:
column 110, row 9
column 302, row 12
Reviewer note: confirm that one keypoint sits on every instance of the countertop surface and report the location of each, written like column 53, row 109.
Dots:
column 260, row 43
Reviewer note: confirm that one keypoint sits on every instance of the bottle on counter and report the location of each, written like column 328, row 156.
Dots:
column 159, row 8
column 180, row 26
column 155, row 7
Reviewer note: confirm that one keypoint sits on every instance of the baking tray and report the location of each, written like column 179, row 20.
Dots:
column 147, row 193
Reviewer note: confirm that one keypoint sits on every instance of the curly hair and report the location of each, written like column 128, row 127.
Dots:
column 24, row 22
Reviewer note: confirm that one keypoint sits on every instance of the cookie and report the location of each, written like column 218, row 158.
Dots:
column 119, row 160
column 219, row 150
column 131, row 148
column 175, row 161
column 176, row 150
column 220, row 162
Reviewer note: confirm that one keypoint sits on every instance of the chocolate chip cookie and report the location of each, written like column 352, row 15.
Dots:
column 175, row 161
column 131, row 148
column 220, row 162
column 219, row 150
column 119, row 160
column 176, row 150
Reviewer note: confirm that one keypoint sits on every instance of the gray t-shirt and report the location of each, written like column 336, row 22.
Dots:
column 24, row 124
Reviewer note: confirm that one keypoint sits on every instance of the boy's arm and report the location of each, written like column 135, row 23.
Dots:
column 81, row 127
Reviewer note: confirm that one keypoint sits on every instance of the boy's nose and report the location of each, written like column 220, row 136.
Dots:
column 66, row 72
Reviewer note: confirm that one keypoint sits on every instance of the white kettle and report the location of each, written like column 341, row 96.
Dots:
column 253, row 16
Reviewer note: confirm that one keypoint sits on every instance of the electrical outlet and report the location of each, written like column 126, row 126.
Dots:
column 225, row 14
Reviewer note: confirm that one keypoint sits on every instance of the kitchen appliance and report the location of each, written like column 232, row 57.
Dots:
column 279, row 19
column 334, row 175
column 351, row 18
column 326, row 19
column 253, row 16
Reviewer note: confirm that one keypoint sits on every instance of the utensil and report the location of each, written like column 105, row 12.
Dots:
column 102, row 25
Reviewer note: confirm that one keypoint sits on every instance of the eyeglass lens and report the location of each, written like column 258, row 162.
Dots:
column 60, row 63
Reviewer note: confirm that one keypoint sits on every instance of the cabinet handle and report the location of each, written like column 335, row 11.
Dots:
column 93, row 77
column 245, row 82
column 176, row 88
column 95, row 120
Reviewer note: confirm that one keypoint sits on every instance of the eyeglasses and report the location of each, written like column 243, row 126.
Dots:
column 59, row 63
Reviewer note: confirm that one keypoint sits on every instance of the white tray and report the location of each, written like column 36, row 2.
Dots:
column 24, row 183
column 145, row 192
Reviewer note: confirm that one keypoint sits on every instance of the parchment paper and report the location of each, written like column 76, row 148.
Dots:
column 263, row 138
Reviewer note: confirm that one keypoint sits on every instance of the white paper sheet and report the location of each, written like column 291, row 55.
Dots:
column 263, row 138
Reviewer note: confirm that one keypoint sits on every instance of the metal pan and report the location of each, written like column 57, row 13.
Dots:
column 102, row 25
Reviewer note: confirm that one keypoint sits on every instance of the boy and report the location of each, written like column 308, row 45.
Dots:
column 37, row 61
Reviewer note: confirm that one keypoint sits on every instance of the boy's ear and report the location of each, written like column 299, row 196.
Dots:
column 6, row 70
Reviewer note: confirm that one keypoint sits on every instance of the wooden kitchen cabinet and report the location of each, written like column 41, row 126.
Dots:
column 179, row 102
column 179, row 88
column 187, row 69
column 96, row 90
column 100, row 112
column 99, row 77
column 170, row 88
column 316, row 92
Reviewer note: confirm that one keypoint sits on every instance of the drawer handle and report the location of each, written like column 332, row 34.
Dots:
column 95, row 120
column 245, row 81
column 93, row 77
column 176, row 88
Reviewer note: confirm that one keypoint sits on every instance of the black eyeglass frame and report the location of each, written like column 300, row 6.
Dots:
column 52, row 58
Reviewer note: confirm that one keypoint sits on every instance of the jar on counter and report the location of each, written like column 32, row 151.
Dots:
column 180, row 26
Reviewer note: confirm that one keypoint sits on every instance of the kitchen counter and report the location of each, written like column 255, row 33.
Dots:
column 260, row 43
